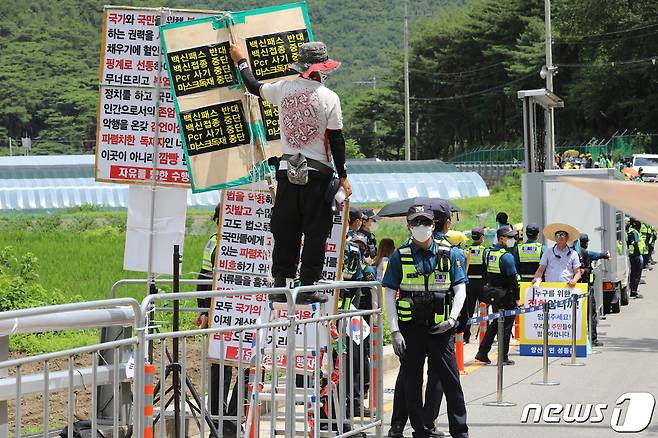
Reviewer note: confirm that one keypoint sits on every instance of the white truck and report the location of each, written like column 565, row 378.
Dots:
column 546, row 200
column 649, row 165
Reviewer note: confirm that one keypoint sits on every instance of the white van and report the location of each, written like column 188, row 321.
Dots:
column 649, row 165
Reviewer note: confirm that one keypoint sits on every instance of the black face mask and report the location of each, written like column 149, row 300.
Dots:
column 584, row 245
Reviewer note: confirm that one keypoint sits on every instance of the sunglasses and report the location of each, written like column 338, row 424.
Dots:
column 421, row 221
column 561, row 234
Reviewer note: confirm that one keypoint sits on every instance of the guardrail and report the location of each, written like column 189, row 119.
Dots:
column 315, row 397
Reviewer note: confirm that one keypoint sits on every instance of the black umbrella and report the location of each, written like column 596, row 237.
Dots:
column 399, row 208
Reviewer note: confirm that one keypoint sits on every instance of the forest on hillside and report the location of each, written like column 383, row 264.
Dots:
column 51, row 51
column 467, row 61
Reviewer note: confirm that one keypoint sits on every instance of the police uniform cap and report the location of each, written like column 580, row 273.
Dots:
column 369, row 213
column 506, row 230
column 355, row 213
column 441, row 209
column 421, row 210
column 532, row 230
column 359, row 237
column 476, row 232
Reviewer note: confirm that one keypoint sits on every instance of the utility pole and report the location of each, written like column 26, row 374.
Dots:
column 549, row 114
column 407, row 121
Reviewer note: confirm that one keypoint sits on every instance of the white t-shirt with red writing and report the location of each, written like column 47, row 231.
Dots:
column 306, row 110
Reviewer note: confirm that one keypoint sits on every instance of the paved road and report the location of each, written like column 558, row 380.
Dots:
column 628, row 362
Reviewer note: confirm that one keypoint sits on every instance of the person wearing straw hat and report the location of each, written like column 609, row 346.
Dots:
column 311, row 123
column 560, row 263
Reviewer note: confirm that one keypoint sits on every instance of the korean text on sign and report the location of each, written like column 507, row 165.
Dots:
column 215, row 127
column 202, row 68
column 270, row 55
column 270, row 115
column 129, row 117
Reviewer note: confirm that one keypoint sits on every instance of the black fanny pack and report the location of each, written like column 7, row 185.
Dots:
column 493, row 295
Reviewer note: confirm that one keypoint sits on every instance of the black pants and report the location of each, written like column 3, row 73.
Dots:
column 636, row 274
column 232, row 407
column 431, row 407
column 300, row 210
column 473, row 291
column 439, row 350
column 492, row 332
column 594, row 315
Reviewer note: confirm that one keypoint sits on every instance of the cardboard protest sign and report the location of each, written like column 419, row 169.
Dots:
column 244, row 249
column 131, row 112
column 560, row 320
column 228, row 149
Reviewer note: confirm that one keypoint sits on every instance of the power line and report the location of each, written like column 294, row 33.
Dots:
column 651, row 59
column 457, row 73
column 608, row 40
column 476, row 93
column 617, row 32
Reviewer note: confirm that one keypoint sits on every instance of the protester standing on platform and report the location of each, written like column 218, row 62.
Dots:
column 313, row 146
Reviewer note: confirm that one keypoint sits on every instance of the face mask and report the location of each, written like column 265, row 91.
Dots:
column 373, row 226
column 421, row 233
column 510, row 243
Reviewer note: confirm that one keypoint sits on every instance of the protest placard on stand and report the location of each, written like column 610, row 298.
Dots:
column 560, row 320
column 244, row 248
column 228, row 148
column 130, row 109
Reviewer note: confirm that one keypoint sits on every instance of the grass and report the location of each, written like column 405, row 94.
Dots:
column 82, row 253
column 505, row 196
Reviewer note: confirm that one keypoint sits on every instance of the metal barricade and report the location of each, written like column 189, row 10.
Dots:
column 313, row 392
column 81, row 376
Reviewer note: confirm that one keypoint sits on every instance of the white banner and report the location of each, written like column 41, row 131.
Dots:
column 127, row 104
column 244, row 261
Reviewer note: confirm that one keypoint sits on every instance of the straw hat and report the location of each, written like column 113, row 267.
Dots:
column 551, row 229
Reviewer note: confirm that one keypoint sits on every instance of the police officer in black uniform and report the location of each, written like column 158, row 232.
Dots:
column 431, row 280
column 475, row 253
column 587, row 277
column 368, row 227
column 501, row 273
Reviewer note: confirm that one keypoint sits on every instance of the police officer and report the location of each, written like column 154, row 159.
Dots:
column 434, row 391
column 207, row 264
column 529, row 254
column 356, row 269
column 368, row 228
column 431, row 281
column 587, row 277
column 635, row 247
column 355, row 221
column 475, row 273
column 646, row 235
column 501, row 273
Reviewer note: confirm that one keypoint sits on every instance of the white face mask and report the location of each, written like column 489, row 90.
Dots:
column 373, row 226
column 511, row 242
column 421, row 233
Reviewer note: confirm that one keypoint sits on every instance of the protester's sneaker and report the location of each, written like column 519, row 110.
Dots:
column 435, row 433
column 396, row 431
column 484, row 359
column 311, row 297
